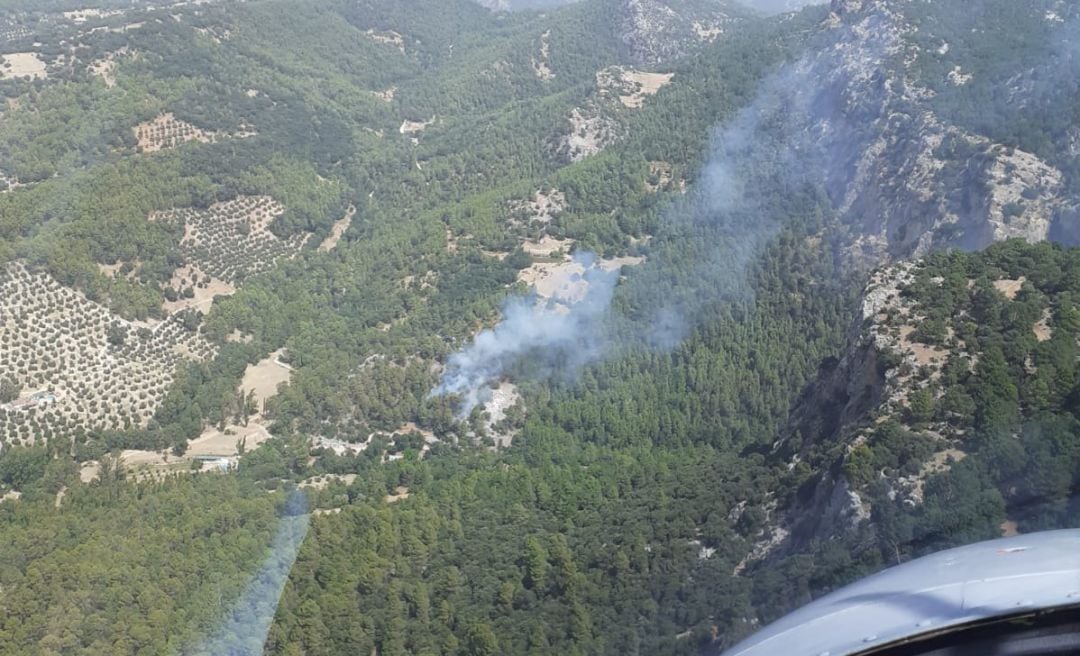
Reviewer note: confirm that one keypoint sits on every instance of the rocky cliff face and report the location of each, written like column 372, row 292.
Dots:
column 511, row 5
column 656, row 32
column 869, row 382
column 904, row 179
column 926, row 346
column 661, row 31
column 780, row 6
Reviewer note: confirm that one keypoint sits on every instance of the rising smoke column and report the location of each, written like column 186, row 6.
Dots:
column 561, row 335
column 243, row 632
column 559, row 338
column 800, row 132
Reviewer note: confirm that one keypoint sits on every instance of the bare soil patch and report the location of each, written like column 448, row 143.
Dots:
column 388, row 37
column 89, row 471
column 400, row 493
column 340, row 226
column 631, row 86
column 1043, row 331
column 321, row 482
column 205, row 292
column 644, row 84
column 110, row 270
column 548, row 246
column 1010, row 288
column 563, row 281
column 105, row 67
column 413, row 127
column 410, row 427
column 924, row 354
column 239, row 337
column 940, row 462
column 136, row 458
column 213, row 442
column 21, row 65
column 265, row 376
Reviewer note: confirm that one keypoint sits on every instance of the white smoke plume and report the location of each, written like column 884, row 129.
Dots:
column 562, row 334
column 796, row 148
column 749, row 153
column 561, row 337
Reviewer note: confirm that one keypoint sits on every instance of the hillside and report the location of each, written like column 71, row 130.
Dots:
column 617, row 327
column 950, row 417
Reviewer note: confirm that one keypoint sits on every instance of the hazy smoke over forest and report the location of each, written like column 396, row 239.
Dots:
column 798, row 143
column 767, row 6
column 780, row 6
column 559, row 335
column 726, row 199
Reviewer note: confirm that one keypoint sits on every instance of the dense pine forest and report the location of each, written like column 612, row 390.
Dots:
column 350, row 193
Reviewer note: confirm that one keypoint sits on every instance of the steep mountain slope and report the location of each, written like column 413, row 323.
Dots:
column 781, row 6
column 512, row 5
column 306, row 218
column 948, row 358
column 881, row 112
column 654, row 31
column 661, row 31
column 951, row 417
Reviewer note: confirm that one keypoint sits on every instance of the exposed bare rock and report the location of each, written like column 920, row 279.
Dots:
column 590, row 131
column 631, row 86
column 841, row 7
column 1024, row 197
column 904, row 179
column 657, row 32
column 871, row 384
column 540, row 65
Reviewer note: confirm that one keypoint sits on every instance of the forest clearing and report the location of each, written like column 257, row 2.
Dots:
column 336, row 232
column 22, row 64
column 264, row 377
column 563, row 280
column 644, row 85
column 202, row 287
